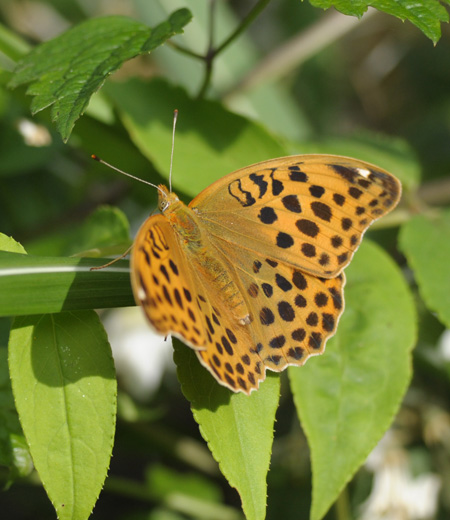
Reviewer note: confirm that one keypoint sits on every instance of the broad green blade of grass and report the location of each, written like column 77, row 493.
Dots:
column 64, row 387
column 238, row 428
column 347, row 398
column 37, row 285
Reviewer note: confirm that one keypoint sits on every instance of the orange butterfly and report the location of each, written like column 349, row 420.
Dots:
column 249, row 274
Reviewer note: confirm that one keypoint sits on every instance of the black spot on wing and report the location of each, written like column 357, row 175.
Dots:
column 345, row 172
column 267, row 215
column 277, row 186
column 260, row 182
column 291, row 203
column 245, row 198
column 316, row 191
column 321, row 210
column 284, row 240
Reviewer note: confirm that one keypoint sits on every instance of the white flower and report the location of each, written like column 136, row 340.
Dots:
column 396, row 494
column 141, row 356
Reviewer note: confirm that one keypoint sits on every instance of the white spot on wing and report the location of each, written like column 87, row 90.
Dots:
column 141, row 294
column 363, row 172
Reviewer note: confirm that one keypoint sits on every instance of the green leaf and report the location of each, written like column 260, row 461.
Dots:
column 14, row 453
column 104, row 229
column 347, row 398
column 238, row 428
column 164, row 482
column 37, row 285
column 64, row 387
column 9, row 244
column 393, row 154
column 105, row 232
column 210, row 141
column 425, row 241
column 427, row 15
column 65, row 71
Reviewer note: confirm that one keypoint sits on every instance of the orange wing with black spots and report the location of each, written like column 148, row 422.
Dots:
column 250, row 273
column 308, row 210
column 162, row 283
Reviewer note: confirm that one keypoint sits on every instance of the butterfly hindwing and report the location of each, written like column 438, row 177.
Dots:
column 292, row 312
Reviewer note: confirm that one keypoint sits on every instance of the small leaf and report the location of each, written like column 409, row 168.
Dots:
column 427, row 15
column 238, row 428
column 66, row 71
column 210, row 141
column 105, row 228
column 106, row 232
column 347, row 398
column 425, row 242
column 64, row 387
column 9, row 244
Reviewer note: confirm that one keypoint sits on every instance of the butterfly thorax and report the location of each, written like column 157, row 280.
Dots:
column 202, row 254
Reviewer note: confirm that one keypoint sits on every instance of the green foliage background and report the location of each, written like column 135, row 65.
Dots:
column 251, row 81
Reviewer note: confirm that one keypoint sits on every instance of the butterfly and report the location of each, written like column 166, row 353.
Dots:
column 250, row 273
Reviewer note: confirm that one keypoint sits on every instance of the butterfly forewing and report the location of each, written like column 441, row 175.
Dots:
column 309, row 211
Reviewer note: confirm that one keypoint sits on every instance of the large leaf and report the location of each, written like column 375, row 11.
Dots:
column 427, row 15
column 64, row 388
column 426, row 243
column 238, row 428
column 210, row 141
column 347, row 398
column 65, row 71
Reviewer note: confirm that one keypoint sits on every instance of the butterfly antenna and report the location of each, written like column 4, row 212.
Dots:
column 175, row 116
column 126, row 173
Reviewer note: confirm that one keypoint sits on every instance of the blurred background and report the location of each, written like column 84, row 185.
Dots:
column 327, row 81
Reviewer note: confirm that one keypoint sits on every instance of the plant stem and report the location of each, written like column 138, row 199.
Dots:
column 210, row 53
column 213, row 52
column 343, row 506
column 252, row 15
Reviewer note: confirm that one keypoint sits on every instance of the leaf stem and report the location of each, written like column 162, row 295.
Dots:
column 184, row 50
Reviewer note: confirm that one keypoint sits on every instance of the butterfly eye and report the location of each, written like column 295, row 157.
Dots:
column 163, row 206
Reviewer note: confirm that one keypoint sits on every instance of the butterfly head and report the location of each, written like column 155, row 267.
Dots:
column 166, row 198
